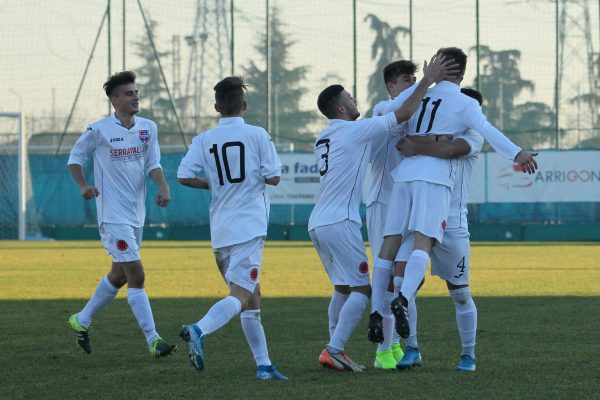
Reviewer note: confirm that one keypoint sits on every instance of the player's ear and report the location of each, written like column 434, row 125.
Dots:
column 217, row 108
column 244, row 106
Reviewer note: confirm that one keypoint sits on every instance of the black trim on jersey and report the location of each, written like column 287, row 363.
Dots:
column 384, row 169
column 266, row 211
column 356, row 179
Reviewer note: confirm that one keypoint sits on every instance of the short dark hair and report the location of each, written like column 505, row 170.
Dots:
column 392, row 71
column 118, row 79
column 328, row 100
column 456, row 54
column 473, row 93
column 229, row 94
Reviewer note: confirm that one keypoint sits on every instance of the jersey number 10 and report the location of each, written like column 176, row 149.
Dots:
column 215, row 151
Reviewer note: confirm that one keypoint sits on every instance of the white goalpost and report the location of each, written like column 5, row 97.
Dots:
column 13, row 150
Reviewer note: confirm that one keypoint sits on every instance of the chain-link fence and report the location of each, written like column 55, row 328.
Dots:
column 535, row 61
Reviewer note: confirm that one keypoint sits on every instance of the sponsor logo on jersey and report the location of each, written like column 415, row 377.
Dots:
column 134, row 152
column 122, row 245
column 144, row 136
column 363, row 268
column 253, row 274
column 116, row 139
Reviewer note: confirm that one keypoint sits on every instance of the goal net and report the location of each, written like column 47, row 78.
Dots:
column 16, row 195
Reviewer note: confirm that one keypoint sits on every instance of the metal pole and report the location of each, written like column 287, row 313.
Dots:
column 556, row 83
column 410, row 28
column 124, row 27
column 87, row 66
column 231, row 15
column 109, row 49
column 162, row 74
column 478, row 44
column 22, row 175
column 354, row 68
column 268, row 72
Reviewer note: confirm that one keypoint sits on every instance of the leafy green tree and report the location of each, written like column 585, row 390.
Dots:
column 385, row 50
column 288, row 122
column 530, row 124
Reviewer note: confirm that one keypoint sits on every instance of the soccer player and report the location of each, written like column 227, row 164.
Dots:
column 342, row 151
column 450, row 260
column 398, row 76
column 124, row 147
column 422, row 184
column 238, row 160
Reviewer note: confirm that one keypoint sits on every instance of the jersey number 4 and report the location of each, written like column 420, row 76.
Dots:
column 436, row 105
column 215, row 151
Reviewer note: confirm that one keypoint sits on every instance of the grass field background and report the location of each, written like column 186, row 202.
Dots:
column 539, row 324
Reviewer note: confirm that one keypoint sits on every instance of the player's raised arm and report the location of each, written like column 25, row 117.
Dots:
column 499, row 142
column 437, row 70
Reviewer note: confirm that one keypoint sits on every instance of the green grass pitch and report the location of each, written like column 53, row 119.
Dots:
column 538, row 338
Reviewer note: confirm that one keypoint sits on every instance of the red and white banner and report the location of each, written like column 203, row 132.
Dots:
column 563, row 176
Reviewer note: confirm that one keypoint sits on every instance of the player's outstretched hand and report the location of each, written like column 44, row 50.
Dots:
column 440, row 69
column 526, row 161
column 163, row 197
column 89, row 192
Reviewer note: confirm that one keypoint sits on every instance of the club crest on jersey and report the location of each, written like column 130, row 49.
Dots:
column 363, row 268
column 253, row 274
column 122, row 245
column 444, row 226
column 144, row 136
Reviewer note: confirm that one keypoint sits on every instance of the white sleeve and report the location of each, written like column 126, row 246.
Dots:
column 379, row 109
column 191, row 165
column 473, row 139
column 369, row 129
column 84, row 146
column 270, row 164
column 399, row 100
column 475, row 119
column 153, row 151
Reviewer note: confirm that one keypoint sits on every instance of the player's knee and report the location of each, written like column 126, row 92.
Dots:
column 366, row 290
column 136, row 280
column 251, row 313
column 117, row 280
column 461, row 296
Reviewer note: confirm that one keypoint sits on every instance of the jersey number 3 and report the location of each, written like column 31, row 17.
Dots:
column 215, row 151
column 324, row 156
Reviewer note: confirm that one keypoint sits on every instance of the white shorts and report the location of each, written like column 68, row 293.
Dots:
column 240, row 263
column 450, row 260
column 418, row 206
column 342, row 252
column 122, row 241
column 376, row 215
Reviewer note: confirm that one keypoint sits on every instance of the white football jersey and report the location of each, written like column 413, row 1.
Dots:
column 445, row 110
column 384, row 157
column 121, row 157
column 236, row 158
column 342, row 151
column 457, row 216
